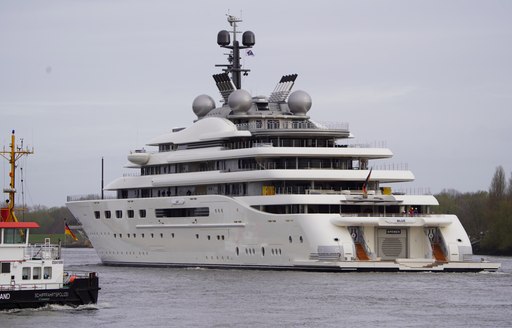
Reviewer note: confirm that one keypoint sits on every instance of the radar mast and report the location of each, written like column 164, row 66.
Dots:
column 12, row 155
column 223, row 40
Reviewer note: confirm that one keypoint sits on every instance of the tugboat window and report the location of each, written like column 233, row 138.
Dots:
column 14, row 236
column 36, row 273
column 25, row 273
column 47, row 273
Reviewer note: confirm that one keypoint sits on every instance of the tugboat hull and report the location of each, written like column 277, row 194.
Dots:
column 81, row 291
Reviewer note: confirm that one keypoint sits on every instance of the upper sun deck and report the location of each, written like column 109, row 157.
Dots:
column 272, row 126
column 211, row 129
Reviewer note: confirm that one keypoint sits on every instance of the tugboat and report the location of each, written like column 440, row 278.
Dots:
column 33, row 276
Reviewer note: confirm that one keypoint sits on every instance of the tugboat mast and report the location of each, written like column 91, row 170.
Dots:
column 223, row 40
column 12, row 156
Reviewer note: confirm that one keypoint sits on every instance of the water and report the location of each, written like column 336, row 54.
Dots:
column 165, row 297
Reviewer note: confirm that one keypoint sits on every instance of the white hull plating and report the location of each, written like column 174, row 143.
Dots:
column 234, row 235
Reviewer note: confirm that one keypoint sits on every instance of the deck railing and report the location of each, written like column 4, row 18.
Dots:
column 44, row 251
column 276, row 125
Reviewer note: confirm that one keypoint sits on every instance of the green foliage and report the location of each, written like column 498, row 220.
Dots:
column 39, row 238
column 51, row 220
column 486, row 216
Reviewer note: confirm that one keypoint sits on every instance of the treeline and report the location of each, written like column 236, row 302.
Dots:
column 486, row 215
column 51, row 220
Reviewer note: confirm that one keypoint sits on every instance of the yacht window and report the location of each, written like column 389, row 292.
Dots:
column 119, row 214
column 6, row 267
column 97, row 214
column 131, row 213
column 36, row 273
column 25, row 273
column 142, row 213
column 182, row 212
column 47, row 273
column 108, row 214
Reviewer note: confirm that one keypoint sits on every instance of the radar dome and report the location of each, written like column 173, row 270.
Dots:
column 299, row 102
column 202, row 105
column 240, row 101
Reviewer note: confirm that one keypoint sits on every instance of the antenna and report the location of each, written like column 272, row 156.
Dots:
column 224, row 41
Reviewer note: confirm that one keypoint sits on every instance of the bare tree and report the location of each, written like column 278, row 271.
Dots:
column 498, row 184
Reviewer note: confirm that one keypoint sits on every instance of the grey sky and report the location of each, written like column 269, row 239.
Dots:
column 432, row 80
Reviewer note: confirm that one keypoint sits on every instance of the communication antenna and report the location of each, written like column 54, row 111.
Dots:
column 224, row 41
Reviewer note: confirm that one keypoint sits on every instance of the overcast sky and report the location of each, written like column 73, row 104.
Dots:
column 81, row 80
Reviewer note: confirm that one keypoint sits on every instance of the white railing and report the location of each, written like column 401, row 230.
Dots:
column 288, row 125
column 74, row 198
column 44, row 251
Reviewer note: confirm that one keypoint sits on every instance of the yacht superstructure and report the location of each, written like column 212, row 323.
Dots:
column 255, row 183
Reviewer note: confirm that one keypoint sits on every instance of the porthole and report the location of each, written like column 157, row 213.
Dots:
column 237, row 251
column 263, row 251
column 301, row 239
column 290, row 239
column 197, row 236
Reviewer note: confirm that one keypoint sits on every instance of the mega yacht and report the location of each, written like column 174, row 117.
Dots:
column 255, row 183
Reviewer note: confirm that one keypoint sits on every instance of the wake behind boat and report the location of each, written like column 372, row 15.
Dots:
column 255, row 183
column 33, row 276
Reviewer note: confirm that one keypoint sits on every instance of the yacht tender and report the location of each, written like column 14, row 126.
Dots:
column 255, row 183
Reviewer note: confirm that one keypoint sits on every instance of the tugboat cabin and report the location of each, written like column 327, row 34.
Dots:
column 22, row 264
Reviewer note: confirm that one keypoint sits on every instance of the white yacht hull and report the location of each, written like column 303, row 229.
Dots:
column 235, row 235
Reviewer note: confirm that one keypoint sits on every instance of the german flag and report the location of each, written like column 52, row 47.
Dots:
column 365, row 184
column 68, row 231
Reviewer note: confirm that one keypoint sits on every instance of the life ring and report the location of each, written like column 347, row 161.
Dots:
column 72, row 278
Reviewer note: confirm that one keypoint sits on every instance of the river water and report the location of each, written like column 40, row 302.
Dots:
column 169, row 297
